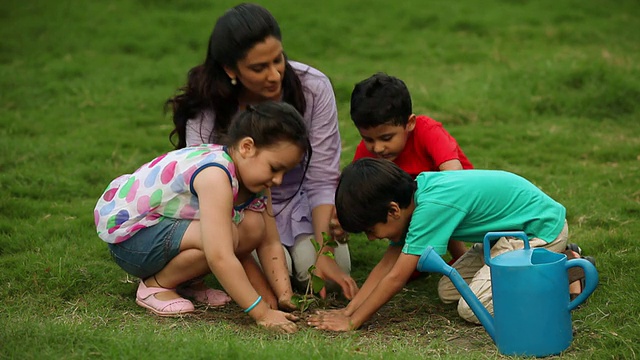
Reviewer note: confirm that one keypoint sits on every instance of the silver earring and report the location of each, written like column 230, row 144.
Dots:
column 234, row 82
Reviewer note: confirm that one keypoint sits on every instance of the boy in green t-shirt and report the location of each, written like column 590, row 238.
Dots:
column 378, row 198
column 382, row 110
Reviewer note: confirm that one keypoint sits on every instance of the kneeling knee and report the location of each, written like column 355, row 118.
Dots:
column 252, row 227
column 466, row 313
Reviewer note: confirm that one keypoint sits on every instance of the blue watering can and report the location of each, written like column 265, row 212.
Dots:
column 531, row 305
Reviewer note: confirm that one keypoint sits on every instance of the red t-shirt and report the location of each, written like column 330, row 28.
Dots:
column 428, row 146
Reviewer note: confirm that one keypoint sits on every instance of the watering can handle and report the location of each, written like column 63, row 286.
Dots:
column 590, row 280
column 498, row 234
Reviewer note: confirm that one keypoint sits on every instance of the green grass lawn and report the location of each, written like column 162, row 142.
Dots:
column 546, row 89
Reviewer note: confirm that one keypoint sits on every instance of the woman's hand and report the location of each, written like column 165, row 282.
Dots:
column 280, row 321
column 336, row 231
column 328, row 269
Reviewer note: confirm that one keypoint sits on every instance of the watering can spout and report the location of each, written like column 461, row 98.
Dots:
column 531, row 302
column 430, row 261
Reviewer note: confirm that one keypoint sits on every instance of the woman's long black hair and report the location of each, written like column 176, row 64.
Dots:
column 208, row 86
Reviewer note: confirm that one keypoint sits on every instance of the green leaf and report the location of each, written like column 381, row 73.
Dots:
column 310, row 269
column 315, row 244
column 296, row 299
column 317, row 283
column 329, row 254
column 331, row 243
column 305, row 304
column 326, row 237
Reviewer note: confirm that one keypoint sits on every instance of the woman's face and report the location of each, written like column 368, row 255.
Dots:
column 261, row 71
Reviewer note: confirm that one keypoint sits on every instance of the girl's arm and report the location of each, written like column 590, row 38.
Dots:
column 272, row 258
column 219, row 236
column 258, row 280
column 219, row 241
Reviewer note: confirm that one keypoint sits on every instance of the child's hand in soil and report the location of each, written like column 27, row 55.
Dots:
column 284, row 303
column 341, row 311
column 334, row 321
column 280, row 321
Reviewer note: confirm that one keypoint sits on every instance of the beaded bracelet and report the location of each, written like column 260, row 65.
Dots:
column 254, row 304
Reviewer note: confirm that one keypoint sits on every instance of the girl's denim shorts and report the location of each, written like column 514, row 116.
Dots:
column 150, row 250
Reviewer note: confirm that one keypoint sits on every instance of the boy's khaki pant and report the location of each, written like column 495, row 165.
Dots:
column 476, row 273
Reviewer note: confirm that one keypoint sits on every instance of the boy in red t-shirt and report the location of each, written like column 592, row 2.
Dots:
column 381, row 110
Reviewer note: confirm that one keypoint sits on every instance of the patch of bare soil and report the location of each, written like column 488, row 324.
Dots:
column 415, row 316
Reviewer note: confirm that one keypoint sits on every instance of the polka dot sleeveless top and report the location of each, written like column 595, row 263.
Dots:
column 163, row 188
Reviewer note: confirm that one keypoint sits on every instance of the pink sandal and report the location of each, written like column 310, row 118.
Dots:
column 208, row 296
column 145, row 297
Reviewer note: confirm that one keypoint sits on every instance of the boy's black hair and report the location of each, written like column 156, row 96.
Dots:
column 380, row 100
column 366, row 188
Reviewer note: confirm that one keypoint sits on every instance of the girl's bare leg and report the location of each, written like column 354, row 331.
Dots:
column 188, row 264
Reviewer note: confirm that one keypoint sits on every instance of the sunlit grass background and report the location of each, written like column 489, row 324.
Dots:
column 547, row 89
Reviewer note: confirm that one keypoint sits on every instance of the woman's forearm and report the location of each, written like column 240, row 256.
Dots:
column 320, row 217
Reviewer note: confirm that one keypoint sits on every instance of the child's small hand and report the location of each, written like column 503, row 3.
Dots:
column 279, row 321
column 334, row 321
column 284, row 303
column 342, row 311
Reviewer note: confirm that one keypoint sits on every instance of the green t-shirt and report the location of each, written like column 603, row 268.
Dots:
column 465, row 205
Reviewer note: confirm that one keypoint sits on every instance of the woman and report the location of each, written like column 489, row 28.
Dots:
column 245, row 65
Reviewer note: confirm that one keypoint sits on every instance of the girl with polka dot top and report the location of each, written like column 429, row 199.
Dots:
column 183, row 215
